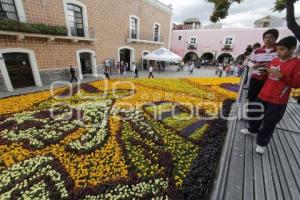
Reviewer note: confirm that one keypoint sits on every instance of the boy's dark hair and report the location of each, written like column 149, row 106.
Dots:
column 273, row 32
column 288, row 42
column 256, row 45
column 248, row 50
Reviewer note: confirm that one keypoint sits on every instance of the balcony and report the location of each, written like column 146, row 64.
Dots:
column 145, row 38
column 192, row 46
column 22, row 30
column 227, row 47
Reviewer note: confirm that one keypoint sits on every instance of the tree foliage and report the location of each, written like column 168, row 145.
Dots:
column 221, row 8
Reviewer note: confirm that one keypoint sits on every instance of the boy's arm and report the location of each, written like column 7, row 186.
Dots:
column 294, row 80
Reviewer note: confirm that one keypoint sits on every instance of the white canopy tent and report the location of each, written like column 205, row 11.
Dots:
column 163, row 54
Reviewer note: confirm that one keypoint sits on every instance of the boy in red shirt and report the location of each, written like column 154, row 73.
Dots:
column 283, row 75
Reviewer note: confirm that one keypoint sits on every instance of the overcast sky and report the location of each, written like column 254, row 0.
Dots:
column 240, row 15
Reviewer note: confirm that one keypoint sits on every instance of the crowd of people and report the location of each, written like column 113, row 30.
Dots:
column 231, row 69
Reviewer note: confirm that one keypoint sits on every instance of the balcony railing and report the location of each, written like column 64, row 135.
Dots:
column 43, row 30
column 84, row 32
column 145, row 38
column 38, row 28
column 192, row 46
column 227, row 47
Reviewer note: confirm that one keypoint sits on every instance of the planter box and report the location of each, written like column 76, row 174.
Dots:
column 16, row 26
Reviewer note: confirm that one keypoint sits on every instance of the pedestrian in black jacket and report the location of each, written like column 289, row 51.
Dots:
column 73, row 74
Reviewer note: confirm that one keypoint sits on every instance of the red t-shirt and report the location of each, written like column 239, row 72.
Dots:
column 277, row 91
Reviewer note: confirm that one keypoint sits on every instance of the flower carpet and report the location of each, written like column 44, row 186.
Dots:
column 118, row 139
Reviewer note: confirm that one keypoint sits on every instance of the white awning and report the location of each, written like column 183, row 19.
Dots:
column 163, row 54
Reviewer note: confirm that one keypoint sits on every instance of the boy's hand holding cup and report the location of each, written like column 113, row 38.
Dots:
column 275, row 72
column 263, row 70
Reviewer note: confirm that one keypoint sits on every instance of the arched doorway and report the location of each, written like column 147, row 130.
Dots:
column 225, row 58
column 190, row 56
column 86, row 63
column 126, row 54
column 208, row 56
column 86, row 60
column 19, row 68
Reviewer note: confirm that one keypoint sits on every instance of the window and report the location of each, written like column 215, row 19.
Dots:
column 8, row 9
column 179, row 37
column 75, row 20
column 266, row 24
column 156, row 32
column 134, row 27
column 228, row 41
column 193, row 40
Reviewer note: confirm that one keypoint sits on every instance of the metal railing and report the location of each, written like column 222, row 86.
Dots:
column 45, row 26
column 192, row 46
column 223, row 169
column 227, row 47
column 146, row 36
column 85, row 32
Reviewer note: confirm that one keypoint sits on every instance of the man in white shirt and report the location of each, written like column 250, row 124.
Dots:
column 191, row 67
column 135, row 70
column 150, row 72
column 220, row 70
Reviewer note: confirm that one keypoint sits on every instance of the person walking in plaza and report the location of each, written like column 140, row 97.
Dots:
column 126, row 68
column 106, row 72
column 135, row 69
column 228, row 70
column 181, row 66
column 283, row 75
column 150, row 72
column 122, row 67
column 119, row 67
column 217, row 70
column 205, row 64
column 191, row 67
column 73, row 74
column 220, row 69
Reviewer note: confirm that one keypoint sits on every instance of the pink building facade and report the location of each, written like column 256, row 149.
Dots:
column 221, row 45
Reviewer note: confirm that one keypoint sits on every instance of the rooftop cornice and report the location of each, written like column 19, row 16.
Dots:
column 159, row 5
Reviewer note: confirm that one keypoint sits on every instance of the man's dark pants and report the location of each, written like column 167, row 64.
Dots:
column 73, row 78
column 150, row 75
column 269, row 117
column 254, row 88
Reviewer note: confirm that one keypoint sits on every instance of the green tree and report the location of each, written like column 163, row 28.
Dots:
column 221, row 8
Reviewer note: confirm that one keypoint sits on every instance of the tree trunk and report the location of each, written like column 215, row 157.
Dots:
column 290, row 17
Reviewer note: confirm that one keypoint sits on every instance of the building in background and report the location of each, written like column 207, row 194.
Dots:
column 188, row 24
column 217, row 45
column 214, row 26
column 272, row 22
column 40, row 40
column 269, row 22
